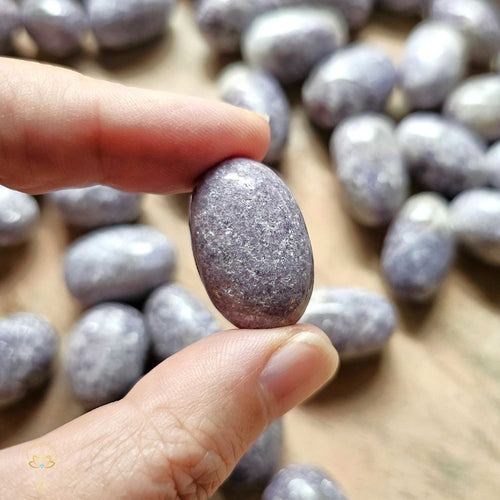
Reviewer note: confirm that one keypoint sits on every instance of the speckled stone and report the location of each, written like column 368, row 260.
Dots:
column 96, row 206
column 303, row 482
column 476, row 104
column 288, row 42
column 428, row 75
column 257, row 466
column 479, row 20
column 419, row 248
column 358, row 322
column 251, row 245
column 106, row 353
column 10, row 20
column 122, row 24
column 176, row 319
column 405, row 7
column 370, row 169
column 475, row 218
column 55, row 25
column 355, row 79
column 28, row 345
column 118, row 263
column 260, row 92
column 442, row 155
column 492, row 164
column 18, row 215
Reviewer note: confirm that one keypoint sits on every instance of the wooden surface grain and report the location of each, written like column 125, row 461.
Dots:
column 420, row 421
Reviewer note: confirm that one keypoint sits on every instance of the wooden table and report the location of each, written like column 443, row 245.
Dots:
column 421, row 421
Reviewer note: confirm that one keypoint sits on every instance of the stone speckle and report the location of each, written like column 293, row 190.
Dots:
column 10, row 19
column 251, row 245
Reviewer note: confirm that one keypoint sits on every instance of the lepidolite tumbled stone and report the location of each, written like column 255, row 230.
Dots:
column 355, row 79
column 370, row 168
column 405, row 7
column 106, row 353
column 96, row 206
column 442, row 155
column 358, row 322
column 251, row 245
column 175, row 319
column 10, row 19
column 419, row 248
column 475, row 218
column 28, row 345
column 492, row 164
column 55, row 25
column 118, row 263
column 18, row 215
column 303, row 482
column 260, row 92
column 257, row 466
column 288, row 42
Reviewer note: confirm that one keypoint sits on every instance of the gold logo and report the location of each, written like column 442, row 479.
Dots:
column 41, row 462
column 41, row 455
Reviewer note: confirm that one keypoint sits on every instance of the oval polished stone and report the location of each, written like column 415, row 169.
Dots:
column 475, row 218
column 118, row 263
column 288, row 42
column 419, row 248
column 96, row 206
column 56, row 26
column 476, row 104
column 303, row 482
column 492, row 164
column 428, row 75
column 370, row 168
column 18, row 215
column 10, row 20
column 352, row 80
column 28, row 345
column 251, row 245
column 442, row 155
column 358, row 322
column 176, row 319
column 260, row 92
column 107, row 352
column 405, row 7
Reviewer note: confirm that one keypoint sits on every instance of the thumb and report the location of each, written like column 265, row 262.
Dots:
column 184, row 426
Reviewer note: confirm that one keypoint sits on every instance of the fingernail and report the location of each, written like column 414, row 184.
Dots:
column 298, row 369
column 266, row 117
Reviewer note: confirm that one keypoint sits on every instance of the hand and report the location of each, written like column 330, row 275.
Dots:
column 184, row 426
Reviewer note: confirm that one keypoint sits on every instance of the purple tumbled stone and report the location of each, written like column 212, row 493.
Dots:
column 370, row 168
column 442, row 155
column 10, row 20
column 355, row 79
column 289, row 42
column 419, row 248
column 106, row 353
column 118, row 263
column 96, row 206
column 475, row 219
column 405, row 7
column 176, row 319
column 251, row 245
column 28, row 345
column 303, row 482
column 492, row 164
column 358, row 322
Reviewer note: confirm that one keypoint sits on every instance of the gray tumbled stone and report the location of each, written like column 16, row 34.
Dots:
column 28, row 345
column 370, row 168
column 96, row 206
column 106, row 353
column 475, row 218
column 428, row 75
column 260, row 92
column 288, row 42
column 479, row 20
column 303, row 482
column 358, row 322
column 18, row 215
column 355, row 79
column 10, row 20
column 55, row 25
column 176, row 319
column 442, row 155
column 492, row 164
column 405, row 7
column 251, row 245
column 476, row 104
column 118, row 263
column 419, row 248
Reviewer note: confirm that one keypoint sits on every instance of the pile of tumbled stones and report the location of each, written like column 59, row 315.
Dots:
column 446, row 150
